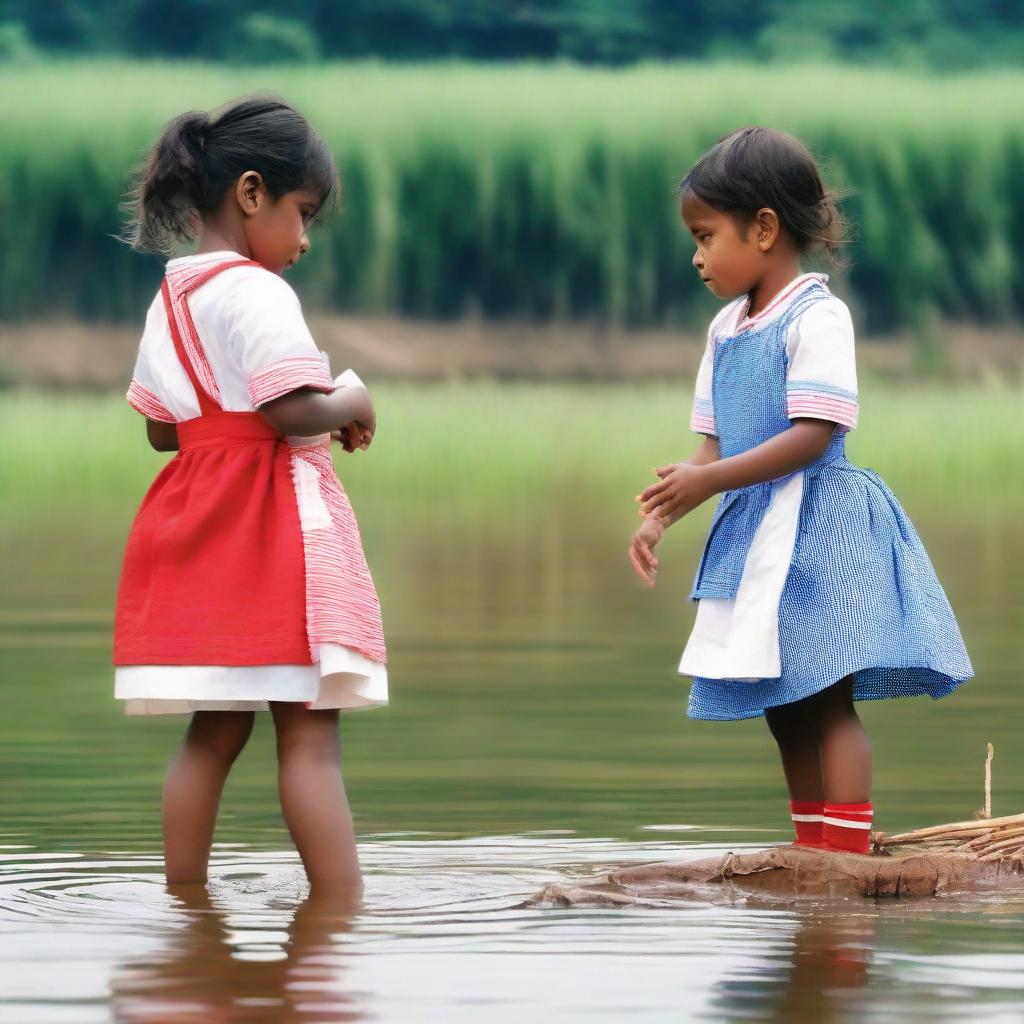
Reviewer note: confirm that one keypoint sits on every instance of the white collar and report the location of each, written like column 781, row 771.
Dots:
column 779, row 303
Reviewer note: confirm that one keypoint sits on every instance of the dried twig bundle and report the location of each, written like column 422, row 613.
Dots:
column 986, row 838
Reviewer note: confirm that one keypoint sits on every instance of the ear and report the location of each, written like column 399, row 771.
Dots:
column 766, row 228
column 250, row 192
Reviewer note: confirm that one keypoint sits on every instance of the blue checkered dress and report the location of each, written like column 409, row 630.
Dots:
column 861, row 597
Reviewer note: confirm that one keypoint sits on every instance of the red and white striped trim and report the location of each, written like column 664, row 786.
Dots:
column 277, row 379
column 341, row 601
column 702, row 416
column 144, row 401
column 775, row 306
column 846, row 822
column 807, row 815
column 806, row 810
column 181, row 280
column 822, row 407
column 849, row 815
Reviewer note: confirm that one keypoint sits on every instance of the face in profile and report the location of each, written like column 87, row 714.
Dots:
column 728, row 258
column 276, row 228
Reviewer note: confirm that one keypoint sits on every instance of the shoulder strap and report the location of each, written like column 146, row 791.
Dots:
column 811, row 296
column 176, row 289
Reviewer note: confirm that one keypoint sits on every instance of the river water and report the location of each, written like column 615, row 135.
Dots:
column 537, row 732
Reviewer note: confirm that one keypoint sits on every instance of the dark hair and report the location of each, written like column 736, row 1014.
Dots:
column 757, row 167
column 199, row 156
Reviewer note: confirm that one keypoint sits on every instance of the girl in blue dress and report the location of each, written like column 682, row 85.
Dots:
column 814, row 589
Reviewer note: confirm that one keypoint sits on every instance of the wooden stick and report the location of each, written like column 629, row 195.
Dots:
column 1000, row 845
column 1006, row 844
column 997, row 833
column 957, row 828
column 1004, row 855
column 988, row 782
column 1006, row 836
column 935, row 833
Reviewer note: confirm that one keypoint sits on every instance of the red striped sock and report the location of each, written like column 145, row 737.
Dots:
column 807, row 816
column 847, row 827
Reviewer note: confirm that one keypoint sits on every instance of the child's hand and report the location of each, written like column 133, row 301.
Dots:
column 357, row 433
column 681, row 488
column 641, row 548
column 353, row 436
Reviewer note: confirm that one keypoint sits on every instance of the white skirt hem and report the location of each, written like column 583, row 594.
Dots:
column 344, row 680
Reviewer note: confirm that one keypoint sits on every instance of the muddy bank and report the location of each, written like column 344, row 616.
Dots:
column 958, row 856
column 784, row 871
column 67, row 354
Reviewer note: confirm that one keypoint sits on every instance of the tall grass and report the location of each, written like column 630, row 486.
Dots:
column 531, row 190
column 457, row 453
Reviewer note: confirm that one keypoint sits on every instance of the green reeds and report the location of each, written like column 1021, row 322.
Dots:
column 531, row 191
column 463, row 451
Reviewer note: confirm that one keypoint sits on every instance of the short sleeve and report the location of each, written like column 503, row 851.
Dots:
column 143, row 391
column 267, row 334
column 702, row 416
column 821, row 379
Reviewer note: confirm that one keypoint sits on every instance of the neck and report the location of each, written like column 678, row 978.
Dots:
column 214, row 237
column 772, row 282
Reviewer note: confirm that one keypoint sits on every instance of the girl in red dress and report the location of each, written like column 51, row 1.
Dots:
column 244, row 584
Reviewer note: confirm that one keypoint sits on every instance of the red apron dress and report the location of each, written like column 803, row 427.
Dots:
column 225, row 564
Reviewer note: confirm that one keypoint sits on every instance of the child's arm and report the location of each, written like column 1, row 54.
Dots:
column 300, row 413
column 686, row 485
column 706, row 453
column 162, row 436
column 647, row 537
column 304, row 413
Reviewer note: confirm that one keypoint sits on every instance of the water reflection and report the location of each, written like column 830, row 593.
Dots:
column 816, row 979
column 217, row 965
column 443, row 936
column 534, row 716
column 548, row 701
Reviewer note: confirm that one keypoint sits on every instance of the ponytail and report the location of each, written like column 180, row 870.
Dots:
column 197, row 158
column 165, row 198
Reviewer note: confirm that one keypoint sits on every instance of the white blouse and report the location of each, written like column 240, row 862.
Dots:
column 821, row 377
column 254, row 337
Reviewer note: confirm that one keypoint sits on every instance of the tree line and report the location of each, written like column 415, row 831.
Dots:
column 940, row 34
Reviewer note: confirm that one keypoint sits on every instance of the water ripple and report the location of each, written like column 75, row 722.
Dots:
column 443, row 937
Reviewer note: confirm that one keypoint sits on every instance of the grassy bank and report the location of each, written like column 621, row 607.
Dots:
column 536, row 191
column 505, row 451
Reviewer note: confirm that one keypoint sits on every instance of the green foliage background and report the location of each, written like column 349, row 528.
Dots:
column 607, row 438
column 937, row 33
column 532, row 191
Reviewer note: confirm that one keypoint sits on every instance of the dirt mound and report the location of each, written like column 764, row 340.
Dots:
column 943, row 858
column 780, row 871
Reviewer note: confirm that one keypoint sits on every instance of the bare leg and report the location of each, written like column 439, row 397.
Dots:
column 313, row 798
column 798, row 748
column 845, row 751
column 193, row 787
